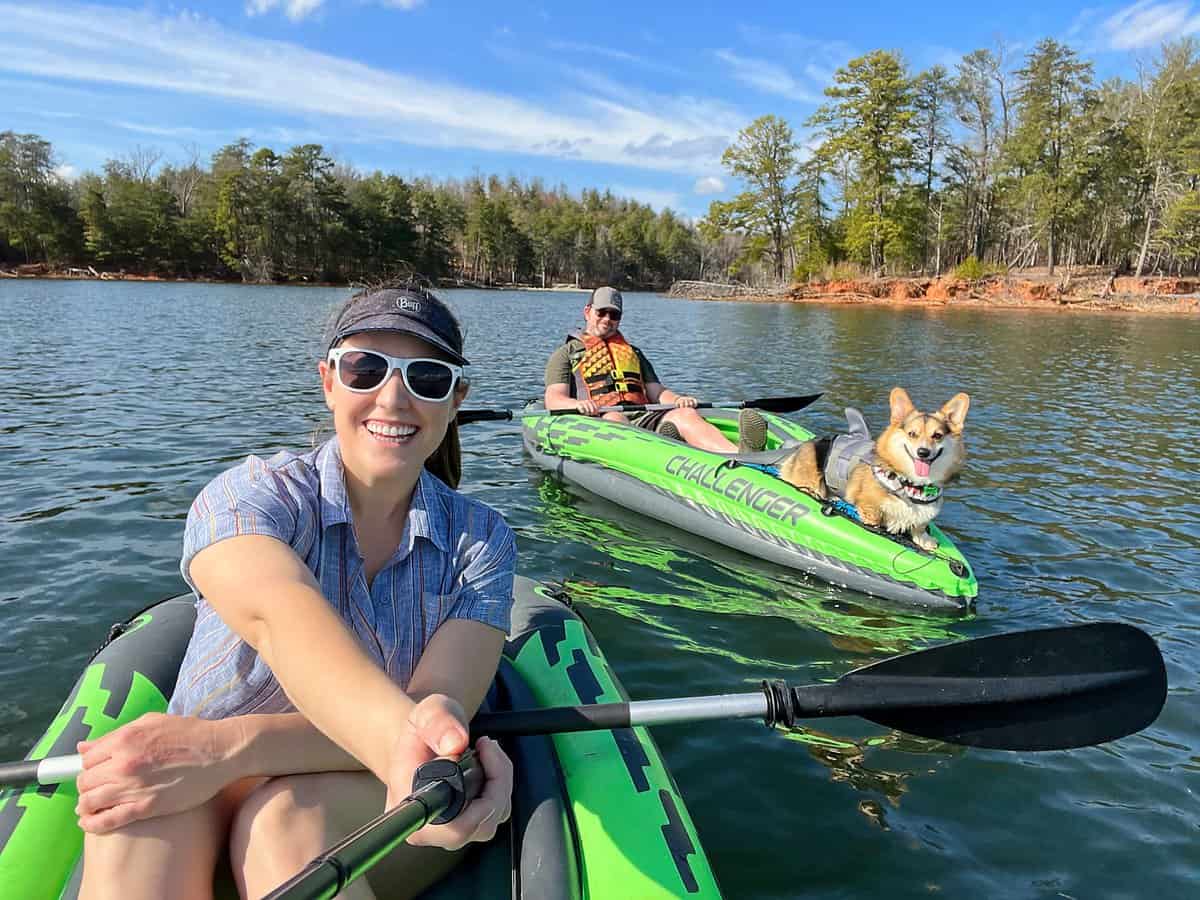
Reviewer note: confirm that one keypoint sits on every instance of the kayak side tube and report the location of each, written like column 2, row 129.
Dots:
column 634, row 833
column 134, row 673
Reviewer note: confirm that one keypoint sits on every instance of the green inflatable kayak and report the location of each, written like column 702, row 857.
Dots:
column 738, row 502
column 595, row 814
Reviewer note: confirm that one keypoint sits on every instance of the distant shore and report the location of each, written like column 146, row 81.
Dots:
column 1033, row 289
column 1085, row 289
column 90, row 273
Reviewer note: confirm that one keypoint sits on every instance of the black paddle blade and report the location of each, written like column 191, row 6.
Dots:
column 783, row 404
column 467, row 416
column 1048, row 689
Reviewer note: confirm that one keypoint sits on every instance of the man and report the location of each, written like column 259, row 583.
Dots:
column 598, row 368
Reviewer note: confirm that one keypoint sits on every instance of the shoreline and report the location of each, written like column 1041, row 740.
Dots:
column 1150, row 295
column 1088, row 291
column 76, row 274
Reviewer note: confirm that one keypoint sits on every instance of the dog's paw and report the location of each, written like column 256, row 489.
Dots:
column 925, row 541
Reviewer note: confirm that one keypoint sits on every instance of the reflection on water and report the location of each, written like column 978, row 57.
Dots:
column 743, row 588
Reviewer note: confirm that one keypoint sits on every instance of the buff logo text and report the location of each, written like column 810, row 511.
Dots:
column 740, row 490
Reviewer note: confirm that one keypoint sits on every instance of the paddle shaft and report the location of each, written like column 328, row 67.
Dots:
column 436, row 800
column 40, row 771
column 352, row 857
column 814, row 701
column 771, row 404
column 1046, row 689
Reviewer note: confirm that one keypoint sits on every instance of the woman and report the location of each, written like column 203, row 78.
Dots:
column 347, row 592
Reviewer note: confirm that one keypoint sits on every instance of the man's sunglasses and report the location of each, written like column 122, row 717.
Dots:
column 609, row 313
column 363, row 371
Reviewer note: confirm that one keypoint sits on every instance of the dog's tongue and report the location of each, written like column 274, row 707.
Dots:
column 921, row 467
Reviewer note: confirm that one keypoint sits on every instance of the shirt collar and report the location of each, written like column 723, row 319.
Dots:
column 428, row 513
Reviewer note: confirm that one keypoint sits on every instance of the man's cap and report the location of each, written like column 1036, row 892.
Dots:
column 405, row 310
column 606, row 298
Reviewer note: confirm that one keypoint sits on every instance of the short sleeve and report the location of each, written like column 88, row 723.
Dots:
column 649, row 376
column 251, row 498
column 484, row 591
column 558, row 368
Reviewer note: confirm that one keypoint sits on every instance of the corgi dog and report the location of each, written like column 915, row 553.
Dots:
column 896, row 482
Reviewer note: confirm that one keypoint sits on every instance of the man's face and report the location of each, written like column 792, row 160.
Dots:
column 604, row 322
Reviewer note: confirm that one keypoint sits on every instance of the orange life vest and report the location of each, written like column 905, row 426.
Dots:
column 608, row 371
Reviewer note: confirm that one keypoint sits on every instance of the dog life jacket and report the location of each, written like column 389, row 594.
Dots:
column 848, row 450
column 607, row 372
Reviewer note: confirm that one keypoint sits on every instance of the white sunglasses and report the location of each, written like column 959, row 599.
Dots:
column 364, row 371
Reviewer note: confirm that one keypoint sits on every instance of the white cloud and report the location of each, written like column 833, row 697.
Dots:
column 768, row 77
column 622, row 56
column 190, row 55
column 295, row 9
column 1147, row 23
column 709, row 184
column 66, row 172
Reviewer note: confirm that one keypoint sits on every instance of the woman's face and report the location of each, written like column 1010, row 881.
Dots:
column 363, row 420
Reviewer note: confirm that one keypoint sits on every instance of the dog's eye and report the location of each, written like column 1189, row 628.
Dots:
column 913, row 435
column 937, row 435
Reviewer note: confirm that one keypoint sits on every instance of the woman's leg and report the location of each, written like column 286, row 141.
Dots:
column 289, row 820
column 168, row 856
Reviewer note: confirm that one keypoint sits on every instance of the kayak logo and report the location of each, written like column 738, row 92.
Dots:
column 759, row 498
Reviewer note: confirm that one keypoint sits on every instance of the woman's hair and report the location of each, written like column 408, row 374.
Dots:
column 446, row 461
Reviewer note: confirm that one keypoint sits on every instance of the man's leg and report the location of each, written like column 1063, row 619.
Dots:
column 698, row 431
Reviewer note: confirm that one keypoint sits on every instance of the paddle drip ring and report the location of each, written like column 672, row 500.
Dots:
column 781, row 705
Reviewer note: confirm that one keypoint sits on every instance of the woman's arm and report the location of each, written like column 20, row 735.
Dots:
column 263, row 591
column 453, row 676
column 161, row 764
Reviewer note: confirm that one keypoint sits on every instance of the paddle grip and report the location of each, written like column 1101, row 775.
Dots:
column 464, row 777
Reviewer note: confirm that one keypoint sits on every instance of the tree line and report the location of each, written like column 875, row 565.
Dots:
column 254, row 214
column 999, row 163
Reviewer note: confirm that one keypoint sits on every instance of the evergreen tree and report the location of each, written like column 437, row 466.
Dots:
column 764, row 156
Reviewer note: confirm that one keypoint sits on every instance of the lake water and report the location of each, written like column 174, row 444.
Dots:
column 118, row 401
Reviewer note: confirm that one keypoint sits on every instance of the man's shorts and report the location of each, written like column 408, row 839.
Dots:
column 648, row 420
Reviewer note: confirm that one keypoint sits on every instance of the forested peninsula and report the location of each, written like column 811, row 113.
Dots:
column 903, row 185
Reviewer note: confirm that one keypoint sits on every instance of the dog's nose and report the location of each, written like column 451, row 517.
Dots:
column 923, row 452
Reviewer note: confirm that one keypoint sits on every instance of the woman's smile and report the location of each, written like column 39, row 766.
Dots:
column 391, row 433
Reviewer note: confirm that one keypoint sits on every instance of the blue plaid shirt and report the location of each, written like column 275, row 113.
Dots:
column 455, row 561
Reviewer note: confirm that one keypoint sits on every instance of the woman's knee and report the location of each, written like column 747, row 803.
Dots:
column 287, row 821
column 174, row 854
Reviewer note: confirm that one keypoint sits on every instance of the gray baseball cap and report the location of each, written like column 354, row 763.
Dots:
column 606, row 298
column 406, row 310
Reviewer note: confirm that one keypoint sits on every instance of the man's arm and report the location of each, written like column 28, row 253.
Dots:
column 658, row 393
column 558, row 385
column 558, row 396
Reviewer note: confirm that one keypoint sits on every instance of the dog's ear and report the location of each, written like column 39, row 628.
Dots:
column 902, row 406
column 955, row 412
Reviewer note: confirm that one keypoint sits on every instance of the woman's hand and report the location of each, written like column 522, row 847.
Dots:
column 685, row 402
column 587, row 408
column 153, row 766
column 437, row 727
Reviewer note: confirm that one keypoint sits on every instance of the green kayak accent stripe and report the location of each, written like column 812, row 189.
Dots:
column 40, row 853
column 632, row 842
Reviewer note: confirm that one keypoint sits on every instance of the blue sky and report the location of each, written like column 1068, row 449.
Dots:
column 639, row 97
